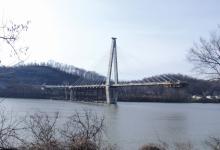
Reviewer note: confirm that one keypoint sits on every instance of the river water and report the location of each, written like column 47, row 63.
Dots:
column 130, row 125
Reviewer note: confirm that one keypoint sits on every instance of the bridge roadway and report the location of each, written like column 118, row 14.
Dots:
column 177, row 84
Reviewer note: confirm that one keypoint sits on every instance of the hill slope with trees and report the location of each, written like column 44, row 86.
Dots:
column 25, row 81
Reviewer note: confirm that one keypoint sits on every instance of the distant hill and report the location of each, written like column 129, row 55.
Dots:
column 198, row 90
column 25, row 81
column 34, row 75
column 45, row 73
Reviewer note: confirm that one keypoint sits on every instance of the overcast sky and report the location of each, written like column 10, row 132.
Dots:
column 154, row 36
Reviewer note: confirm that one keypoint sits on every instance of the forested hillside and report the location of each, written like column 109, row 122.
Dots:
column 25, row 81
column 197, row 91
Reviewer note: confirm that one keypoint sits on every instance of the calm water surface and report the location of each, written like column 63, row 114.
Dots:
column 130, row 125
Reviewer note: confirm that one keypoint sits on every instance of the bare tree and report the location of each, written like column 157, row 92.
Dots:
column 8, row 130
column 10, row 33
column 83, row 131
column 42, row 131
column 205, row 55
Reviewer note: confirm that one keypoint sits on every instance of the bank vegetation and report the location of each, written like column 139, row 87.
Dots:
column 83, row 130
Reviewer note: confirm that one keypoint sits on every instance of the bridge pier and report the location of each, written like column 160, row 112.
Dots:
column 108, row 95
column 71, row 94
column 111, row 95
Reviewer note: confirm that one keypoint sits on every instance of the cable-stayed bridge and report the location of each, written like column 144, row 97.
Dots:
column 110, row 87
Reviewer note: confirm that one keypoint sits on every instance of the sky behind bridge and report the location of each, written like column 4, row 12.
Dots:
column 154, row 36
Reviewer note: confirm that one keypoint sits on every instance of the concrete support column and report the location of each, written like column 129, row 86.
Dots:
column 74, row 95
column 71, row 94
column 115, row 96
column 108, row 95
column 111, row 95
column 66, row 94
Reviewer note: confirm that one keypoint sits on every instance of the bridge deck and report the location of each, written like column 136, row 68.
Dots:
column 164, row 84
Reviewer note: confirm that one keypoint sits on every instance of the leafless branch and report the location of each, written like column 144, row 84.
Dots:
column 83, row 130
column 42, row 129
column 10, row 33
column 205, row 55
column 9, row 128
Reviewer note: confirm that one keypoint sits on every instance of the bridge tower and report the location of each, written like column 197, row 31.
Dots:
column 112, row 96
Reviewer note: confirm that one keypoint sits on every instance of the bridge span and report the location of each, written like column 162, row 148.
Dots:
column 110, row 86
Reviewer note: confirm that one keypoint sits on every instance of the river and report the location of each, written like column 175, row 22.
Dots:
column 130, row 125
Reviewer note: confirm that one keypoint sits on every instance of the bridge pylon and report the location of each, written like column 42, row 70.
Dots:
column 111, row 94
